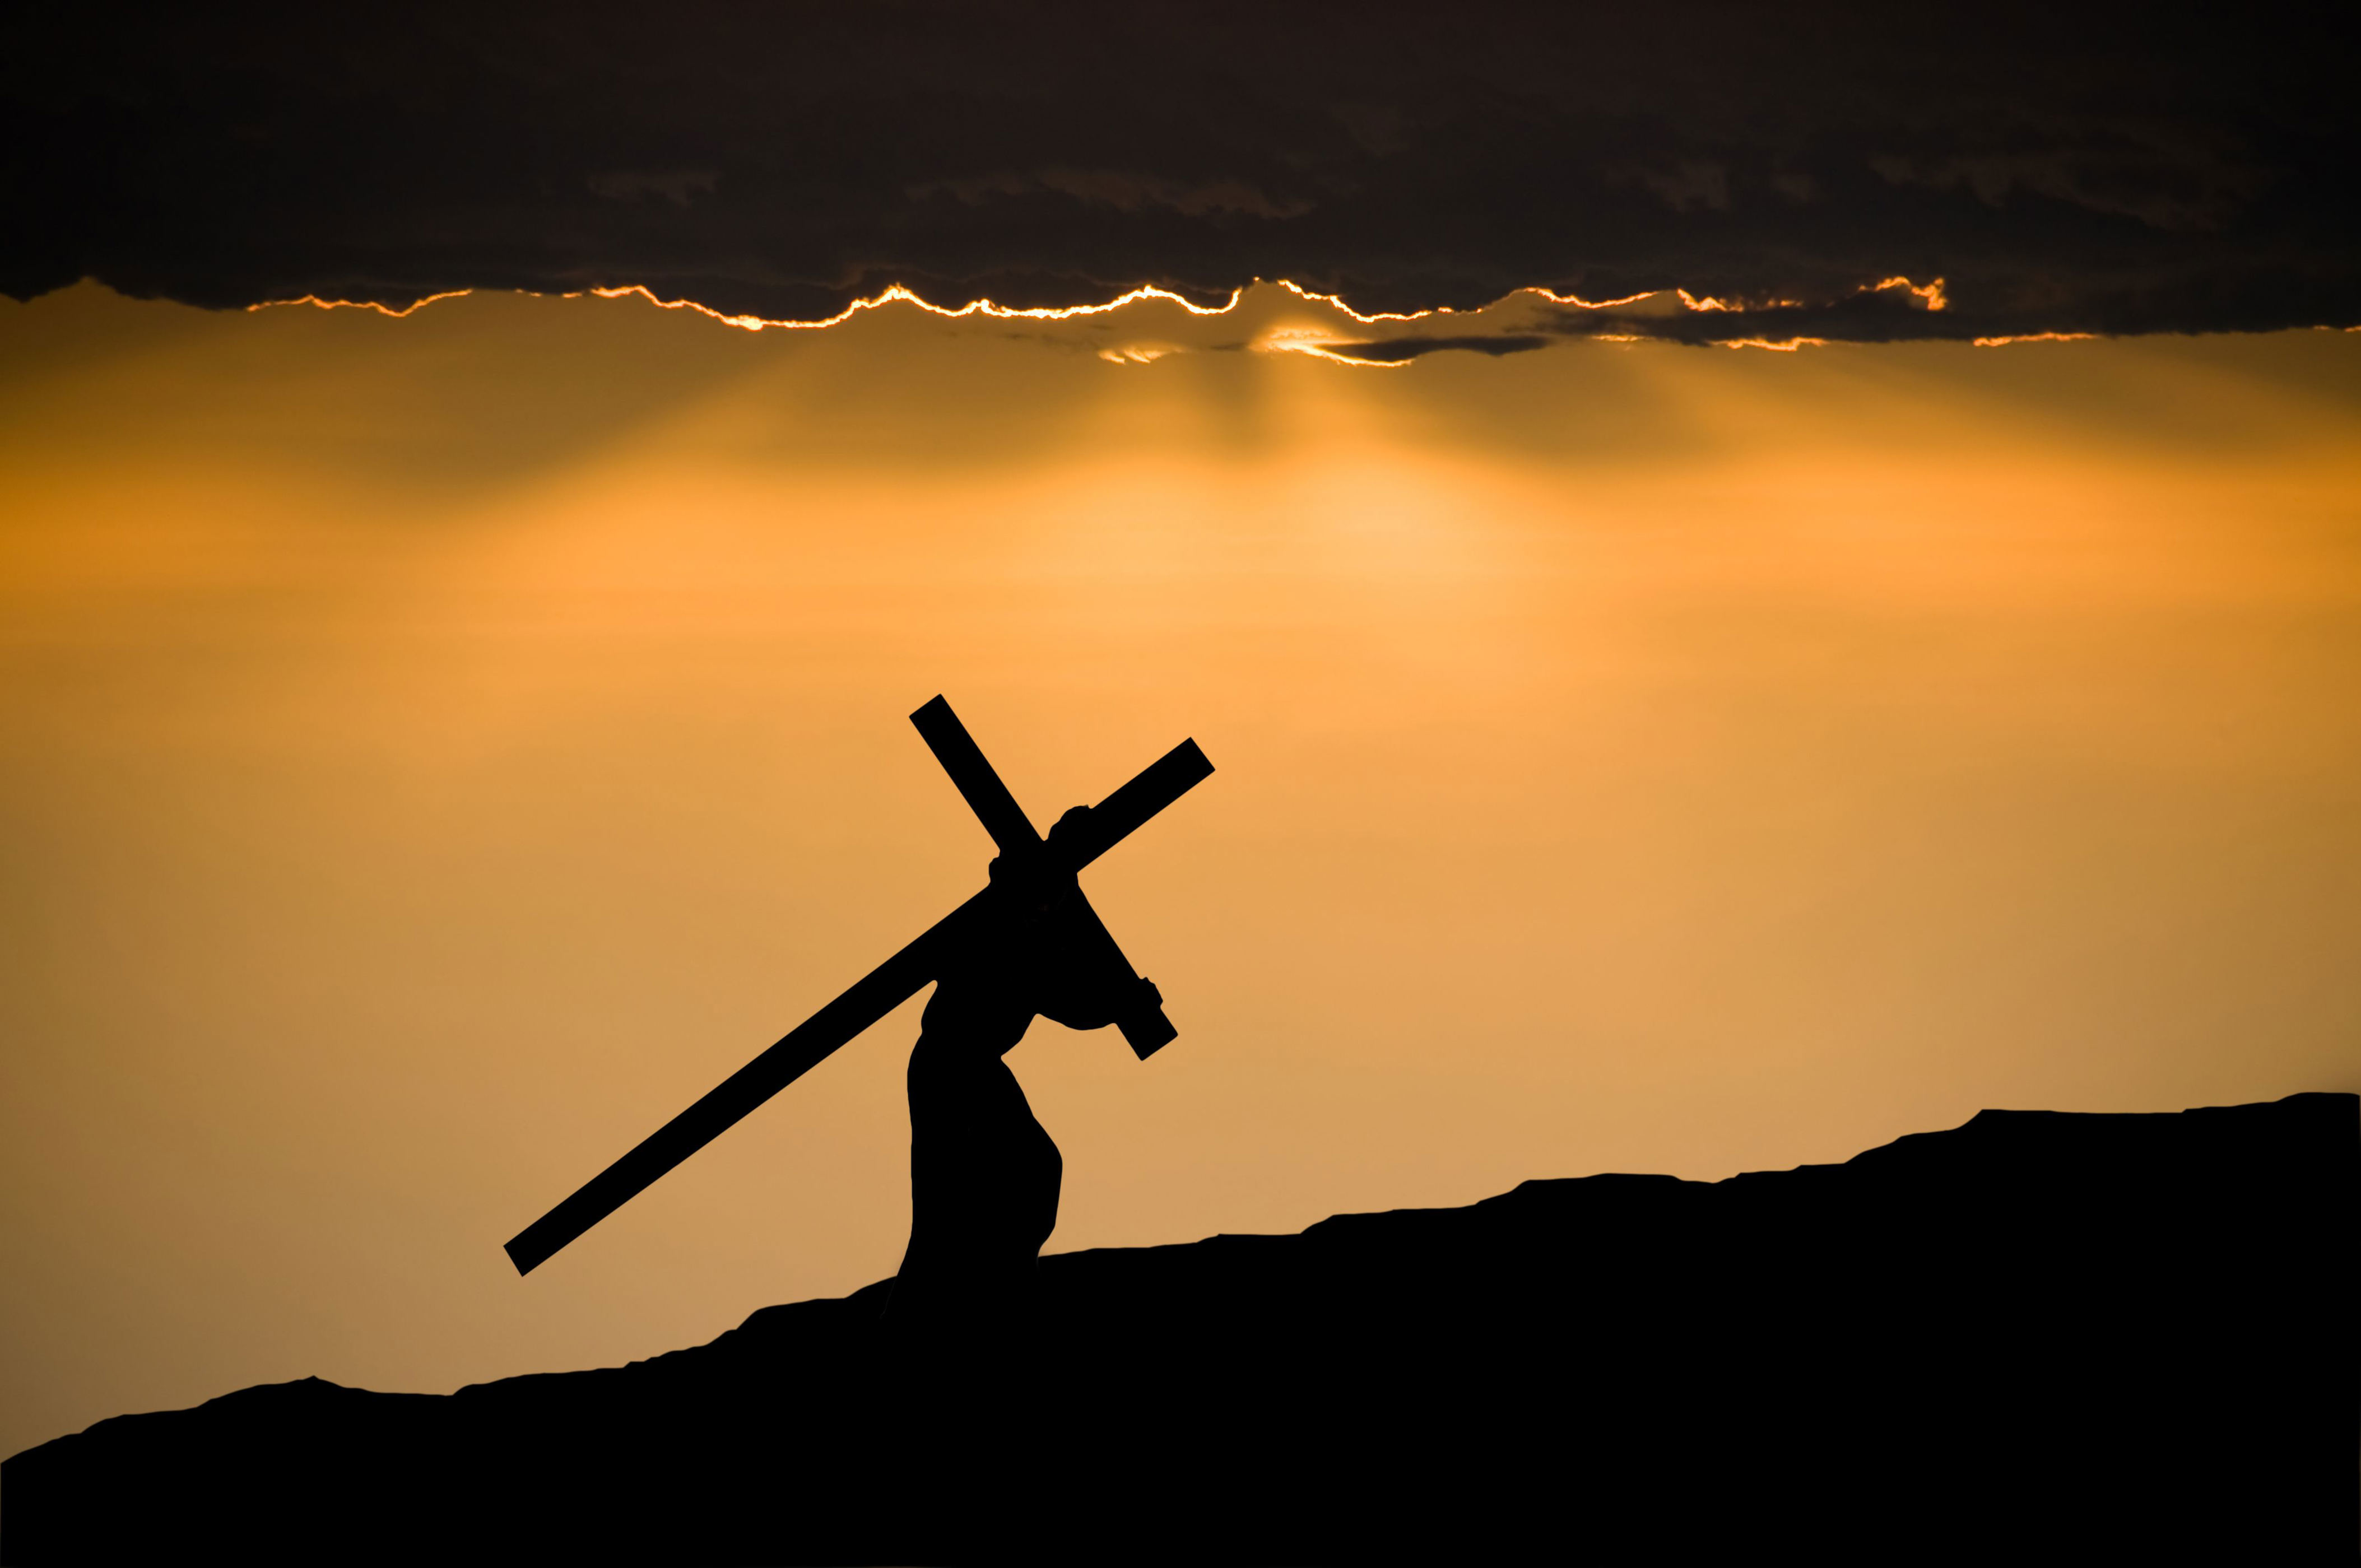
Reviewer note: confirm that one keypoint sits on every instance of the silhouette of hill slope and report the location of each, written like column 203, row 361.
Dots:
column 2040, row 1336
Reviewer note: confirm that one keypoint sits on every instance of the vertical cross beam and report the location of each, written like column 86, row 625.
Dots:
column 1141, row 1021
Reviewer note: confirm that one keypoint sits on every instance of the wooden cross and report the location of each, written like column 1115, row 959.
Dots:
column 1091, row 834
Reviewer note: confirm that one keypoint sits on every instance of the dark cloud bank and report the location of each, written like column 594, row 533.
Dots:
column 2109, row 169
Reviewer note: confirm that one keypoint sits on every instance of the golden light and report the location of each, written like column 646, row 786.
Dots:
column 430, row 748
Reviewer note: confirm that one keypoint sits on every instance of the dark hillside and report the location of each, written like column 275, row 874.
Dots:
column 2039, row 1337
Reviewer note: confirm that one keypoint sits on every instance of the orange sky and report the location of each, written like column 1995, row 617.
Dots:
column 434, row 750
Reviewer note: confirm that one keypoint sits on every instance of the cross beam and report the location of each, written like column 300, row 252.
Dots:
column 901, row 977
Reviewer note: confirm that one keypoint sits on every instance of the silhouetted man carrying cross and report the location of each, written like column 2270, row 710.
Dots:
column 984, row 1174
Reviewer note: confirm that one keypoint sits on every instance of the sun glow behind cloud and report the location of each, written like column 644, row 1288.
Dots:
column 1331, row 341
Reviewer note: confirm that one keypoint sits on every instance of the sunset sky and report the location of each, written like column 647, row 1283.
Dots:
column 437, row 747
